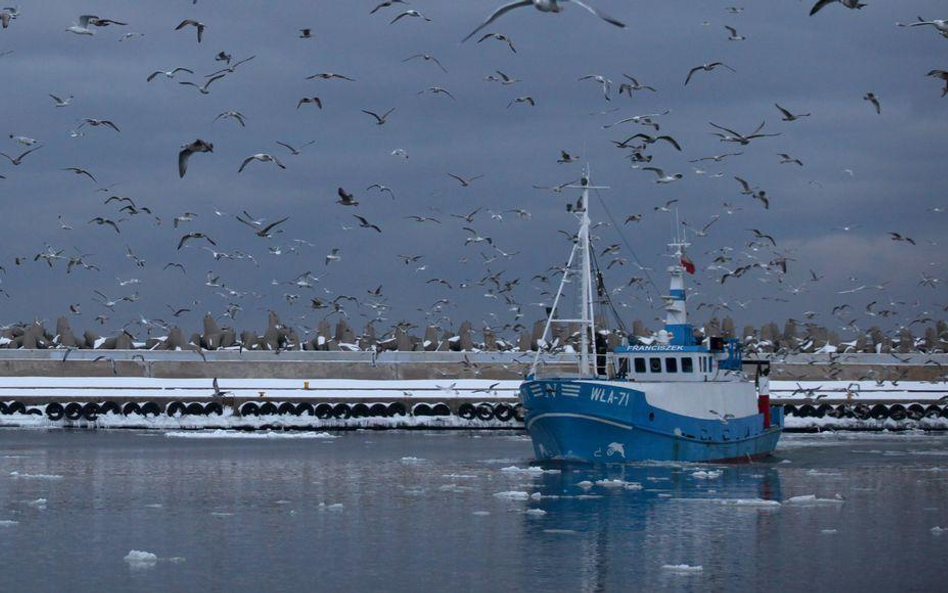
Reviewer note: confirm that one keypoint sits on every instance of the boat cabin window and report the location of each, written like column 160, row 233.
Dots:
column 671, row 365
column 687, row 366
column 655, row 365
column 639, row 365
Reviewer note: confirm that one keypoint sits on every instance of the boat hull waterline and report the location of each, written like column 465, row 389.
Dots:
column 605, row 422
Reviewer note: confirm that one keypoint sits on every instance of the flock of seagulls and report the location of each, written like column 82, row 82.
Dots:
column 645, row 143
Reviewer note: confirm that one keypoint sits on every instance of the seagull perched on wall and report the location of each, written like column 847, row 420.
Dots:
column 543, row 6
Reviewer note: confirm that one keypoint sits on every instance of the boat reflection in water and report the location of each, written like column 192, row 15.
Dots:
column 652, row 523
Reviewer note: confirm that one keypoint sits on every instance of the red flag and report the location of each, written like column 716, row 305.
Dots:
column 687, row 264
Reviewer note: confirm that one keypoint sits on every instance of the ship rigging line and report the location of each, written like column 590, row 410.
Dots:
column 604, row 296
column 615, row 226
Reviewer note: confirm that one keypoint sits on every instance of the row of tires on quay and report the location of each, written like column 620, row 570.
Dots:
column 897, row 412
column 90, row 411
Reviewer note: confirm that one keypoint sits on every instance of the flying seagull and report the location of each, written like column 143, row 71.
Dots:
column 787, row 116
column 852, row 4
column 661, row 176
column 207, row 83
column 187, row 150
column 16, row 161
column 169, row 74
column 942, row 74
column 707, row 68
column 427, row 58
column 61, row 102
column 263, row 158
column 379, row 119
column 553, row 6
column 739, row 138
column 499, row 37
column 188, row 22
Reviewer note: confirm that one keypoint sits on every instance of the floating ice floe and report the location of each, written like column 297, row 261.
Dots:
column 410, row 460
column 512, row 495
column 156, row 505
column 534, row 512
column 139, row 559
column 534, row 470
column 221, row 514
column 480, row 513
column 619, row 484
column 9, row 523
column 335, row 507
column 935, row 530
column 585, row 484
column 812, row 500
column 828, row 531
column 735, row 502
column 682, row 568
column 561, row 531
column 707, row 475
column 39, row 503
column 239, row 434
column 19, row 476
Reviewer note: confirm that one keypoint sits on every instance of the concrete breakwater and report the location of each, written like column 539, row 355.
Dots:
column 769, row 339
column 393, row 365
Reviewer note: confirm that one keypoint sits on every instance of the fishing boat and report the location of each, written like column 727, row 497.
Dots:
column 674, row 398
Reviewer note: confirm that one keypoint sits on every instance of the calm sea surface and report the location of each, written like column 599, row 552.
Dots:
column 420, row 511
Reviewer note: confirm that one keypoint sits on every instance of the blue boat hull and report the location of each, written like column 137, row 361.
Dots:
column 582, row 421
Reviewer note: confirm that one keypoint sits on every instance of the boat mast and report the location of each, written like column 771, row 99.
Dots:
column 676, row 319
column 587, row 360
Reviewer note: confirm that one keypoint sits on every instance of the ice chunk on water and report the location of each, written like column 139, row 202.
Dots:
column 585, row 484
column 8, row 523
column 812, row 500
column 707, row 475
column 239, row 434
column 512, row 495
column 562, row 531
column 828, row 531
column 335, row 507
column 935, row 530
column 39, row 503
column 618, row 484
column 535, row 512
column 682, row 568
column 410, row 460
column 534, row 470
column 139, row 559
column 480, row 513
column 18, row 475
column 156, row 505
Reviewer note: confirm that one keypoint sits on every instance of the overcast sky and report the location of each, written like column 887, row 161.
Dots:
column 875, row 173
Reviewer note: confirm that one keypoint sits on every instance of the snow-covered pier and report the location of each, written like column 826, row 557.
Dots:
column 316, row 390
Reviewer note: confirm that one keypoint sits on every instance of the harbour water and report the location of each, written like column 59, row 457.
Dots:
column 461, row 511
